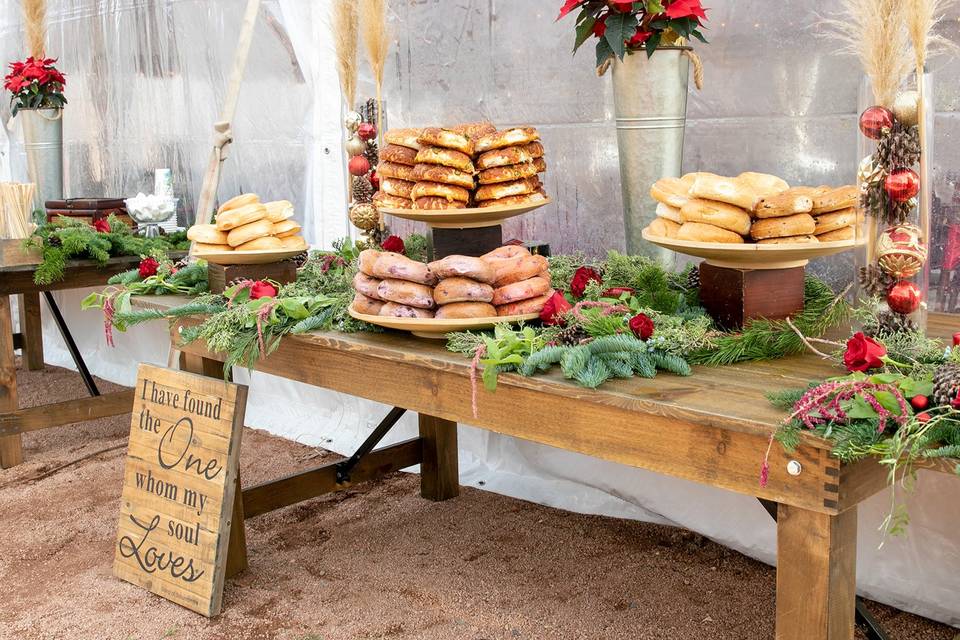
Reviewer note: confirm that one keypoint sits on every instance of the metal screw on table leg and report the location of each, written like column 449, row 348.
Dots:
column 71, row 345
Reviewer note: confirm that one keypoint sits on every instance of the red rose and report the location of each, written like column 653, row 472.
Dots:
column 686, row 9
column 394, row 244
column 102, row 225
column 552, row 312
column 583, row 277
column 262, row 289
column 616, row 292
column 148, row 267
column 863, row 353
column 956, row 339
column 642, row 326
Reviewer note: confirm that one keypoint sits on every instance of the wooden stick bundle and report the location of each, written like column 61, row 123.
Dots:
column 17, row 202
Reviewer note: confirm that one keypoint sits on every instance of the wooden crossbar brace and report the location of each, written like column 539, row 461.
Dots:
column 66, row 412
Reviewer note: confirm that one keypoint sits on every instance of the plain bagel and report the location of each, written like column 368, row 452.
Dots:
column 800, row 224
column 464, row 267
column 207, row 234
column 251, row 231
column 719, row 214
column 265, row 243
column 457, row 310
column 700, row 232
column 243, row 215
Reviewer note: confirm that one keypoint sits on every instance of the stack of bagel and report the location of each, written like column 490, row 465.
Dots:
column 439, row 168
column 509, row 163
column 752, row 207
column 507, row 281
column 243, row 223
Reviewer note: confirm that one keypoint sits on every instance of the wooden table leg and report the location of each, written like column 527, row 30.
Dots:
column 237, row 549
column 11, row 447
column 439, row 471
column 31, row 328
column 816, row 574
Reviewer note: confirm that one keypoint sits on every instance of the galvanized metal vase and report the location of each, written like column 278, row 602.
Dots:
column 650, row 101
column 43, row 143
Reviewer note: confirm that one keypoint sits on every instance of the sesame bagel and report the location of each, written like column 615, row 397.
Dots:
column 505, row 189
column 403, row 138
column 438, row 190
column 395, row 187
column 399, row 154
column 528, row 199
column 508, row 173
column 444, row 175
column 437, row 137
column 396, row 170
column 434, row 203
column 504, row 157
column 445, row 157
column 383, row 200
column 508, row 138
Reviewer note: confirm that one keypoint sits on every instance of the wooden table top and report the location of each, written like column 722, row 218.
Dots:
column 17, row 275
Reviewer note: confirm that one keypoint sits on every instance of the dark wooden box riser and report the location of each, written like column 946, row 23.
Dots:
column 220, row 276
column 733, row 296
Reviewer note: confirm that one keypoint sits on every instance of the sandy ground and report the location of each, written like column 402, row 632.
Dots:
column 373, row 562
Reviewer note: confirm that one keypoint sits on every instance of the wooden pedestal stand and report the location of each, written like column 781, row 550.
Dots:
column 221, row 275
column 470, row 242
column 733, row 295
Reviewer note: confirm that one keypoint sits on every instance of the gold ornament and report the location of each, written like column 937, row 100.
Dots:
column 906, row 108
column 352, row 121
column 354, row 146
column 900, row 252
column 364, row 216
column 869, row 173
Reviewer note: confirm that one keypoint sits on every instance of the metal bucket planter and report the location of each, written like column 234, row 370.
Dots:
column 650, row 102
column 43, row 143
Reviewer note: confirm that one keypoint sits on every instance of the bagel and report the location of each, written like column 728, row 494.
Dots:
column 279, row 210
column 286, row 228
column 525, row 307
column 250, row 231
column 366, row 260
column 265, row 243
column 474, row 130
column 443, row 175
column 507, row 173
column 522, row 268
column 406, row 293
column 506, row 252
column 719, row 214
column 394, row 170
column 506, row 189
column 434, row 203
column 535, row 149
column 785, row 203
column 395, row 187
column 239, row 201
column 836, row 199
column 445, row 157
column 525, row 200
column 508, row 138
column 701, row 232
column 437, row 137
column 504, row 157
column 835, row 220
column 367, row 285
column 729, row 190
column 663, row 228
column 453, row 290
column 670, row 191
column 464, row 267
column 790, row 240
column 398, row 154
column 207, row 234
column 669, row 213
column 294, row 243
column 839, row 235
column 363, row 304
column 403, row 138
column 540, row 164
column 438, row 190
column 400, row 267
column 383, row 200
column 799, row 224
column 466, row 310
column 522, row 290
column 763, row 184
column 202, row 247
column 238, row 217
column 403, row 311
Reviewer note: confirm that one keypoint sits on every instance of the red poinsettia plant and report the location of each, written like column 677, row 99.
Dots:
column 35, row 84
column 622, row 26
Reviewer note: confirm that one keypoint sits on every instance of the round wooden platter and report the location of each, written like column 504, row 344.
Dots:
column 753, row 256
column 464, row 218
column 437, row 329
column 247, row 257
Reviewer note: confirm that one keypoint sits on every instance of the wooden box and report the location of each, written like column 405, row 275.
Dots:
column 221, row 276
column 476, row 242
column 733, row 296
column 88, row 210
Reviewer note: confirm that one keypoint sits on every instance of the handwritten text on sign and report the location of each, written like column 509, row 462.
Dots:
column 179, row 486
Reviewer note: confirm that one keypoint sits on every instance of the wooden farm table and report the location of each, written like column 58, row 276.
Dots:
column 17, row 269
column 713, row 427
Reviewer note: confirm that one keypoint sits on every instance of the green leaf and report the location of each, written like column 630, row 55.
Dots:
column 603, row 51
column 654, row 6
column 294, row 308
column 652, row 43
column 888, row 401
column 584, row 31
column 92, row 301
column 699, row 36
column 860, row 409
column 620, row 28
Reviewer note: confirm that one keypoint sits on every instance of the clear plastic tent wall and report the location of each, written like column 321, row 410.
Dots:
column 145, row 83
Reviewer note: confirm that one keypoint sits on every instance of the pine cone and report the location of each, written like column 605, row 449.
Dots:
column 946, row 383
column 874, row 281
column 875, row 202
column 572, row 335
column 369, row 111
column 890, row 322
column 362, row 190
column 901, row 148
column 372, row 153
column 693, row 278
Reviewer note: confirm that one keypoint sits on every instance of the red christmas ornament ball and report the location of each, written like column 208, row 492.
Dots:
column 874, row 120
column 359, row 166
column 904, row 297
column 919, row 402
column 902, row 184
column 374, row 179
column 366, row 131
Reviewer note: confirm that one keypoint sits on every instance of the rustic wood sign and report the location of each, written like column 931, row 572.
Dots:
column 179, row 485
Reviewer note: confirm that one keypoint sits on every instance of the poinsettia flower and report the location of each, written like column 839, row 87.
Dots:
column 569, row 6
column 600, row 26
column 686, row 9
column 639, row 37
